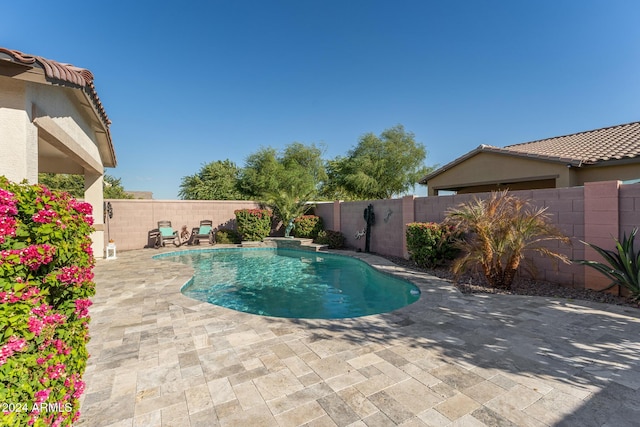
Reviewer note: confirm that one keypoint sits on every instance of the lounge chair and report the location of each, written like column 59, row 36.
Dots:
column 167, row 233
column 205, row 231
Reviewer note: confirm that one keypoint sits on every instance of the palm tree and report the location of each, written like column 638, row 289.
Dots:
column 287, row 205
column 499, row 233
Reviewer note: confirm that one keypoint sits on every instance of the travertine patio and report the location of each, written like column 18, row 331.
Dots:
column 162, row 359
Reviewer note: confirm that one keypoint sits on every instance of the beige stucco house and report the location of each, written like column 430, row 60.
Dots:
column 51, row 120
column 611, row 153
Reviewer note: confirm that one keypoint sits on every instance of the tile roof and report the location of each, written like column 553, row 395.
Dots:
column 590, row 147
column 61, row 73
column 579, row 149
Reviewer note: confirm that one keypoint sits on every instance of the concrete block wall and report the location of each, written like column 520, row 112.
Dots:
column 386, row 233
column 434, row 209
column 602, row 224
column 352, row 223
column 325, row 211
column 629, row 210
column 593, row 213
column 565, row 208
column 132, row 219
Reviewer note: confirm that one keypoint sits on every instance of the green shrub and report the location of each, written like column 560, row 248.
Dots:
column 227, row 236
column 253, row 224
column 333, row 239
column 622, row 266
column 307, row 226
column 46, row 280
column 431, row 244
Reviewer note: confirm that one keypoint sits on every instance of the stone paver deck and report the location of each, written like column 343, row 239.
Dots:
column 159, row 358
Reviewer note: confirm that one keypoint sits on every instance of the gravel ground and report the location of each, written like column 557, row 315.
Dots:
column 475, row 284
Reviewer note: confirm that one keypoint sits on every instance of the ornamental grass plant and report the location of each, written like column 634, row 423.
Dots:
column 499, row 232
column 46, row 280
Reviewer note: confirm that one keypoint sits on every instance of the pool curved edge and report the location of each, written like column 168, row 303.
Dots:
column 376, row 262
column 437, row 289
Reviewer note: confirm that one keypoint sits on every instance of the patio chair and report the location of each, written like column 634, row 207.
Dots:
column 167, row 233
column 205, row 231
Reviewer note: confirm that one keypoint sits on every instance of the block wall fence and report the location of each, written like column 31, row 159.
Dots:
column 594, row 213
column 132, row 219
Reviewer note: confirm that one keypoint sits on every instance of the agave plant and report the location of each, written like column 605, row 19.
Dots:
column 622, row 265
column 499, row 232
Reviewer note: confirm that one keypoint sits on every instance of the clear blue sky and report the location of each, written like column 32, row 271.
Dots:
column 186, row 83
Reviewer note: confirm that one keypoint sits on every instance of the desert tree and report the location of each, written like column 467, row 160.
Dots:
column 378, row 167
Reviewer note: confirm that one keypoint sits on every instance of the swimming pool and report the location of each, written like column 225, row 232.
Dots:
column 292, row 283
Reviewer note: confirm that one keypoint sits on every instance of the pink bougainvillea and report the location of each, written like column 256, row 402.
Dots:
column 13, row 345
column 88, row 249
column 35, row 325
column 44, row 216
column 48, row 316
column 82, row 307
column 32, row 256
column 36, row 255
column 81, row 207
column 42, row 395
column 7, row 203
column 43, row 317
column 7, row 210
column 55, row 371
column 46, row 281
column 61, row 347
column 30, row 294
column 75, row 383
column 43, row 360
column 7, row 228
column 75, row 275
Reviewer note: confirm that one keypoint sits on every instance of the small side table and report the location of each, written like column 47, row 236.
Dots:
column 111, row 251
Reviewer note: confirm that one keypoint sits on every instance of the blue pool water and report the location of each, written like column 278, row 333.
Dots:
column 293, row 284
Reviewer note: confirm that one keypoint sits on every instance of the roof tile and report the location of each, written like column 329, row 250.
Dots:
column 594, row 146
column 62, row 73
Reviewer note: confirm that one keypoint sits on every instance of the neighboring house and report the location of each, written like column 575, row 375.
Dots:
column 611, row 153
column 51, row 120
